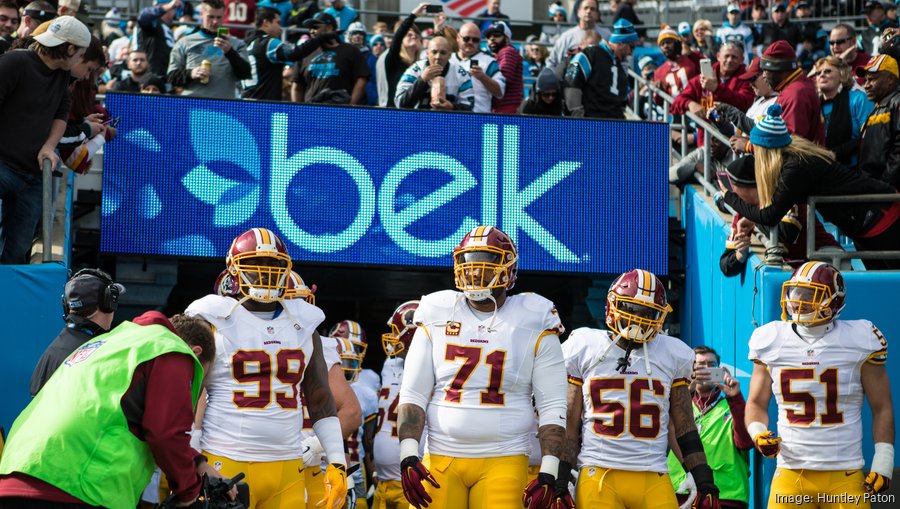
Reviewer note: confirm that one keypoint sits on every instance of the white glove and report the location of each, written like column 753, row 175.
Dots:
column 312, row 452
column 690, row 487
column 351, row 493
column 196, row 436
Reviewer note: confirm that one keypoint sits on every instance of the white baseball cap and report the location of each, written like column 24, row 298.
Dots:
column 65, row 29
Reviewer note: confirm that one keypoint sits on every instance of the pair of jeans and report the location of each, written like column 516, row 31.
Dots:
column 20, row 205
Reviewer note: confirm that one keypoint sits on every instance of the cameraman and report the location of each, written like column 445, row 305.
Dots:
column 116, row 406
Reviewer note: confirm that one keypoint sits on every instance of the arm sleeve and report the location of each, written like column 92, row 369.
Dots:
column 418, row 375
column 729, row 264
column 501, row 69
column 548, row 381
column 737, row 117
column 691, row 93
column 393, row 53
column 178, row 74
column 149, row 16
column 167, row 420
column 740, row 97
column 289, row 53
column 790, row 227
column 742, row 438
column 239, row 60
column 789, row 192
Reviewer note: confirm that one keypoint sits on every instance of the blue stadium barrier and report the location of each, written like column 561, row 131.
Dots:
column 32, row 317
column 719, row 311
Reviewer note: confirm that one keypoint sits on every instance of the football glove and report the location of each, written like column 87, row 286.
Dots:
column 562, row 497
column 876, row 483
column 335, row 487
column 767, row 443
column 312, row 452
column 690, row 487
column 351, row 493
column 412, row 473
column 707, row 492
column 539, row 493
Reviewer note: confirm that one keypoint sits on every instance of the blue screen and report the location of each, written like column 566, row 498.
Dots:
column 387, row 187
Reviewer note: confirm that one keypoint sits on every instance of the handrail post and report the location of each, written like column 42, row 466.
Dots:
column 47, row 226
column 637, row 98
column 707, row 161
column 810, row 227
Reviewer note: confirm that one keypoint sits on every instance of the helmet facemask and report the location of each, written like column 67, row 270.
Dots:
column 391, row 342
column 806, row 303
column 262, row 277
column 635, row 319
column 479, row 270
column 297, row 289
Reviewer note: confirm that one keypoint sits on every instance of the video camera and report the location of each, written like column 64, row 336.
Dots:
column 214, row 494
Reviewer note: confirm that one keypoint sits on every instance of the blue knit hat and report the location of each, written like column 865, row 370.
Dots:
column 771, row 131
column 623, row 32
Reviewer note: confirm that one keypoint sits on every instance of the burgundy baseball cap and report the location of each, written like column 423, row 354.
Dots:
column 779, row 56
column 752, row 71
column 155, row 318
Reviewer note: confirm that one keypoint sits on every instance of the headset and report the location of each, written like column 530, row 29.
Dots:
column 107, row 300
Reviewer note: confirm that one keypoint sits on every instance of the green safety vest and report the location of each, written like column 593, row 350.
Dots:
column 730, row 466
column 74, row 434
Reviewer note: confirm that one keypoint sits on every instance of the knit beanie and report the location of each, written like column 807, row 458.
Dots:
column 771, row 131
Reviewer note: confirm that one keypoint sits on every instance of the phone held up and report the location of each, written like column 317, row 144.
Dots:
column 725, row 179
column 222, row 32
column 434, row 8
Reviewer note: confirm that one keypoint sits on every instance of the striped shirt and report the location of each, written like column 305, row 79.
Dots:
column 511, row 64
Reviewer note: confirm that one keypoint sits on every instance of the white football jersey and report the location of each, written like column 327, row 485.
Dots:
column 387, row 442
column 818, row 390
column 253, row 411
column 371, row 379
column 332, row 357
column 368, row 402
column 482, row 367
column 625, row 416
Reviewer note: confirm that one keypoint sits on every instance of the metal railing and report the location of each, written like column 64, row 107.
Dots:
column 48, row 212
column 835, row 257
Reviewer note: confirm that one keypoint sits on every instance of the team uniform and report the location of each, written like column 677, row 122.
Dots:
column 315, row 489
column 268, row 55
column 602, row 79
column 470, row 371
column 675, row 75
column 389, row 492
column 819, row 394
column 253, row 411
column 622, row 461
column 368, row 401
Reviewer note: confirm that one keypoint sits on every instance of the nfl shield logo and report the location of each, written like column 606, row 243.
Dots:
column 270, row 330
column 83, row 353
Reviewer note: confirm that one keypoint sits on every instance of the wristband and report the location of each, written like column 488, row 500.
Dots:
column 754, row 429
column 550, row 465
column 409, row 447
column 883, row 460
column 328, row 431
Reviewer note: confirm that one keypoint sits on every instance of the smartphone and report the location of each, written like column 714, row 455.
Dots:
column 222, row 32
column 716, row 375
column 706, row 68
column 434, row 8
column 725, row 179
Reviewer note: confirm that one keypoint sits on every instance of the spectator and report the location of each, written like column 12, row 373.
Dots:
column 596, row 81
column 735, row 30
column 759, row 20
column 488, row 82
column 568, row 42
column 378, row 47
column 781, row 28
column 34, row 14
column 647, row 107
column 227, row 55
column 546, row 99
column 681, row 173
column 121, row 47
column 796, row 93
column 550, row 32
column 535, row 57
column 68, row 7
column 139, row 69
column 737, row 124
column 687, row 37
column 239, row 12
column 90, row 300
column 436, row 82
column 741, row 173
column 726, row 87
column 34, row 106
column 510, row 61
column 790, row 168
column 809, row 30
column 590, row 39
column 704, row 44
column 443, row 29
column 336, row 74
column 356, row 35
column 268, row 55
column 153, row 85
column 126, row 399
column 877, row 22
column 842, row 41
column 186, row 22
column 154, row 33
column 111, row 27
column 678, row 69
column 343, row 13
column 490, row 15
column 719, row 412
column 9, row 20
column 844, row 107
column 890, row 11
column 380, row 28
column 879, row 148
column 402, row 54
column 624, row 9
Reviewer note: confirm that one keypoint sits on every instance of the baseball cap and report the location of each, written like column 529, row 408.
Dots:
column 802, row 5
column 356, row 26
column 684, row 28
column 742, row 171
column 498, row 28
column 752, row 71
column 85, row 289
column 871, row 5
column 645, row 61
column 321, row 18
column 733, row 8
column 779, row 6
column 65, row 29
column 779, row 56
column 879, row 63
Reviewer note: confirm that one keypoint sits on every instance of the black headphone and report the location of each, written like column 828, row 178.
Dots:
column 108, row 300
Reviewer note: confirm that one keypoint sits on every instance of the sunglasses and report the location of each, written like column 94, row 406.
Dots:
column 471, row 39
column 838, row 41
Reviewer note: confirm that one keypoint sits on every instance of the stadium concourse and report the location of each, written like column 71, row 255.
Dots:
column 663, row 206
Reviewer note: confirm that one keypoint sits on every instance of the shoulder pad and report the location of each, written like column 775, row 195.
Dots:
column 865, row 335
column 305, row 314
column 436, row 307
column 537, row 312
column 212, row 306
column 676, row 347
column 762, row 339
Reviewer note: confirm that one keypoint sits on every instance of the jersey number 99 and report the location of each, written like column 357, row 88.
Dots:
column 255, row 367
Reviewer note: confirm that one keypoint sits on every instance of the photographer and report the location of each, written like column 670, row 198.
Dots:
column 116, row 406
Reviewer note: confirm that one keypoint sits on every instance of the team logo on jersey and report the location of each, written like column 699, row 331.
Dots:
column 270, row 330
column 217, row 465
column 83, row 353
column 452, row 328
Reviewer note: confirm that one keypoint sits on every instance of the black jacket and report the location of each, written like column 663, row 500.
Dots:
column 78, row 331
column 879, row 147
column 788, row 32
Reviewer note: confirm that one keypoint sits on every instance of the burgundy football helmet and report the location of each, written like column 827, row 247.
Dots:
column 297, row 289
column 636, row 306
column 402, row 329
column 354, row 332
column 485, row 259
column 259, row 262
column 225, row 285
column 815, row 294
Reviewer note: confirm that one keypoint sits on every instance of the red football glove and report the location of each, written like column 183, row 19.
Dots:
column 540, row 492
column 412, row 473
column 707, row 492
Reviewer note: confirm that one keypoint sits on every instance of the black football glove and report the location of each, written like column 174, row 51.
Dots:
column 707, row 492
column 412, row 473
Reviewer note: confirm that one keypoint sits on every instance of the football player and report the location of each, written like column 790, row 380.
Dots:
column 357, row 336
column 389, row 491
column 625, row 386
column 819, row 368
column 266, row 349
column 477, row 358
